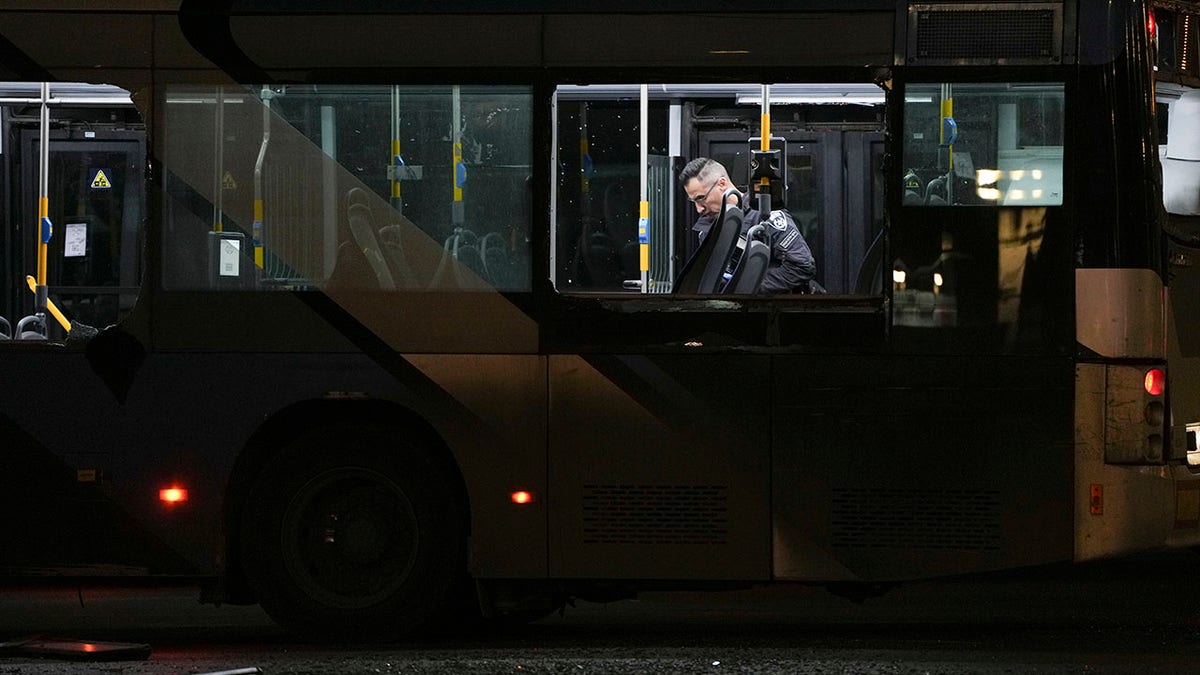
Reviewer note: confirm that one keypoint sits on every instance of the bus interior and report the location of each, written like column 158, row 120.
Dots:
column 367, row 188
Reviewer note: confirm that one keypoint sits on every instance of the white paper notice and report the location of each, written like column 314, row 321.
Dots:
column 229, row 257
column 75, row 240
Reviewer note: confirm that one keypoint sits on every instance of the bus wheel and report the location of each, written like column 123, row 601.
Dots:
column 351, row 533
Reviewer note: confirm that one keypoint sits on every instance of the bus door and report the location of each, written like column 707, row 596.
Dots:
column 96, row 196
column 835, row 195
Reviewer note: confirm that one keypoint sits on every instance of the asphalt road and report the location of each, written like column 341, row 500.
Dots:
column 1140, row 615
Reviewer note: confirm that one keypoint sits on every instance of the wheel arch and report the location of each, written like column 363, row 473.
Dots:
column 295, row 421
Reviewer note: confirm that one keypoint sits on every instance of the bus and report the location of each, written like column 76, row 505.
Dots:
column 387, row 316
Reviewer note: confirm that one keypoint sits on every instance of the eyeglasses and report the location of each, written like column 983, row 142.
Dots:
column 701, row 198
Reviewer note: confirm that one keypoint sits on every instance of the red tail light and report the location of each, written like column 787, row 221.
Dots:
column 173, row 495
column 1156, row 382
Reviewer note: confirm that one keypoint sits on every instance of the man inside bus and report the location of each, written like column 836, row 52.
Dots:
column 791, row 268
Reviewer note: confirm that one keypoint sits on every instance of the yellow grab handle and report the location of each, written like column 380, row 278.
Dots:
column 62, row 320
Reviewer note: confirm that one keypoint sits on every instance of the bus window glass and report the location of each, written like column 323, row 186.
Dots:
column 816, row 129
column 357, row 187
column 598, row 189
column 995, row 144
column 94, row 190
column 992, row 279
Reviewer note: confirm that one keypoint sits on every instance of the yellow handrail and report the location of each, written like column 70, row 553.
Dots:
column 62, row 320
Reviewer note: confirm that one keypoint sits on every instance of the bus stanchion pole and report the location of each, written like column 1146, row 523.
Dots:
column 644, row 204
column 256, row 227
column 45, row 228
column 457, row 212
column 764, row 144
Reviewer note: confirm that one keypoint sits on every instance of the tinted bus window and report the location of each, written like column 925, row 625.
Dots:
column 360, row 187
column 983, row 144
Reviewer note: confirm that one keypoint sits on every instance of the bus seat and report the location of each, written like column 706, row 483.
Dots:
column 631, row 259
column 459, row 251
column 351, row 269
column 392, row 246
column 935, row 192
column 32, row 327
column 620, row 209
column 914, row 189
column 494, row 259
column 753, row 265
column 357, row 195
column 599, row 256
column 363, row 231
column 705, row 270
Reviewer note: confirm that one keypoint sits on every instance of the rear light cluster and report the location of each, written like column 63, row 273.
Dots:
column 1136, row 415
column 1155, row 384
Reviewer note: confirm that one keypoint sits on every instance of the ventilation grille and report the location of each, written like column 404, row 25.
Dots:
column 955, row 520
column 985, row 35
column 654, row 514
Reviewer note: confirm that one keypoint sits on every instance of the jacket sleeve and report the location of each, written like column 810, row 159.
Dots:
column 793, row 265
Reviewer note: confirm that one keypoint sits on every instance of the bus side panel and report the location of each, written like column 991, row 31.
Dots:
column 61, row 443
column 893, row 468
column 85, row 468
column 477, row 405
column 659, row 467
column 496, row 428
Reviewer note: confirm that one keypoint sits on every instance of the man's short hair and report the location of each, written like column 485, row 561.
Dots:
column 703, row 168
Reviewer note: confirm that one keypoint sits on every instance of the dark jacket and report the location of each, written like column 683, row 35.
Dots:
column 791, row 266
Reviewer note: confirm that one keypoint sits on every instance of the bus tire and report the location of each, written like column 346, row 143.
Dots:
column 353, row 533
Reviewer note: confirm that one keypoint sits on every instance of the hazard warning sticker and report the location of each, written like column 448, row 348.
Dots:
column 100, row 180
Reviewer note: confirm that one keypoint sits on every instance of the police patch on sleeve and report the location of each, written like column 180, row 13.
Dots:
column 786, row 243
column 778, row 220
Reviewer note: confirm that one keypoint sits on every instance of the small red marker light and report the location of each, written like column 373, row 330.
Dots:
column 1156, row 382
column 522, row 497
column 173, row 495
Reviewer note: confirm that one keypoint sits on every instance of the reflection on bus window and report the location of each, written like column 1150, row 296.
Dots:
column 983, row 144
column 347, row 187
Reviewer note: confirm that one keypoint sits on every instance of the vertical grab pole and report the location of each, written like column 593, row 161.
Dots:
column 256, row 229
column 644, row 205
column 764, row 144
column 329, row 181
column 396, row 201
column 460, row 171
column 946, row 137
column 45, row 229
column 218, row 160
